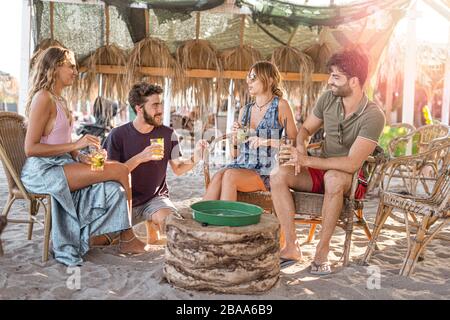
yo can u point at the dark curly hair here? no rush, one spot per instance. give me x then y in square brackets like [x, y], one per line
[352, 62]
[139, 93]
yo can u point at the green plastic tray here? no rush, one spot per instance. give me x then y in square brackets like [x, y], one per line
[226, 213]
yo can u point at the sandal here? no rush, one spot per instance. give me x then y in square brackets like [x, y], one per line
[284, 262]
[109, 240]
[320, 269]
[132, 252]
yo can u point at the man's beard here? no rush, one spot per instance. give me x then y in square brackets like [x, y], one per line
[151, 120]
[342, 91]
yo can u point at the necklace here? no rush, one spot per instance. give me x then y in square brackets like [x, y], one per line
[64, 106]
[262, 106]
[59, 98]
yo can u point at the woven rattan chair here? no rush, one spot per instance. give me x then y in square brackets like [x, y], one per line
[308, 205]
[424, 215]
[2, 226]
[426, 138]
[12, 154]
[376, 168]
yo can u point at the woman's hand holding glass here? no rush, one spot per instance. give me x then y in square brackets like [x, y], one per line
[87, 140]
[256, 142]
[234, 133]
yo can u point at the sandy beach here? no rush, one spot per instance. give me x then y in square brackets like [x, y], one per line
[109, 275]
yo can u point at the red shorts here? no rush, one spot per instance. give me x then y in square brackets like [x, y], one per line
[319, 186]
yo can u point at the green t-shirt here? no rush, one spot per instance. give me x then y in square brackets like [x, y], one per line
[367, 122]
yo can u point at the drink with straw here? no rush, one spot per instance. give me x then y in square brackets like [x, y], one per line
[98, 158]
[285, 146]
[159, 152]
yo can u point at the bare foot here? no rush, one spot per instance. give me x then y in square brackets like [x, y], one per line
[153, 235]
[293, 253]
[131, 245]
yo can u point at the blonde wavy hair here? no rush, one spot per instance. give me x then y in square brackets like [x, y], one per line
[44, 71]
[266, 70]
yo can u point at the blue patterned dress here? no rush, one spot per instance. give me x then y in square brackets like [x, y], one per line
[262, 159]
[76, 216]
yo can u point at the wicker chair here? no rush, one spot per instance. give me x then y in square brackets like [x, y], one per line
[2, 226]
[425, 215]
[12, 155]
[376, 168]
[308, 205]
[428, 136]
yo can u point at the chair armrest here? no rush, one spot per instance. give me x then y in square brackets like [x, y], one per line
[410, 168]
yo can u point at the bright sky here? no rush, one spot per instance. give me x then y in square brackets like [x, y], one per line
[10, 33]
[431, 27]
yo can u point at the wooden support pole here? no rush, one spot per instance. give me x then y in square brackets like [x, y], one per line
[241, 31]
[446, 93]
[389, 96]
[197, 25]
[409, 78]
[147, 22]
[167, 101]
[107, 24]
[25, 54]
[52, 11]
[292, 36]
[201, 73]
[230, 116]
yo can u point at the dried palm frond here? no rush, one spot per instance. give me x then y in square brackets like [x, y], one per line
[239, 59]
[290, 59]
[151, 52]
[114, 86]
[44, 44]
[320, 53]
[198, 92]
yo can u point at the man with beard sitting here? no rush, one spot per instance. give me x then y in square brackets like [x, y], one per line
[146, 147]
[352, 125]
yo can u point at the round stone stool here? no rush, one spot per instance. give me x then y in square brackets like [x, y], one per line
[242, 260]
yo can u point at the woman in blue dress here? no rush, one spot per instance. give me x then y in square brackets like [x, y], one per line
[86, 205]
[255, 158]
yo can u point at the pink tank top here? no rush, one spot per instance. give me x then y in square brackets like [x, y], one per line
[62, 129]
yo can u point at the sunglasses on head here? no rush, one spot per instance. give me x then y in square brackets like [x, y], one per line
[341, 133]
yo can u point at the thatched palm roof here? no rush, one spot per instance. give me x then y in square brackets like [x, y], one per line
[319, 30]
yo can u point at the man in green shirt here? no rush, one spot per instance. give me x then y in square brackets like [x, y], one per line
[352, 126]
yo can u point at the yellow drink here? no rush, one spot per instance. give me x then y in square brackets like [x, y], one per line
[98, 158]
[285, 146]
[158, 152]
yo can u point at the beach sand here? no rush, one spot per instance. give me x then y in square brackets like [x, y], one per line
[109, 275]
